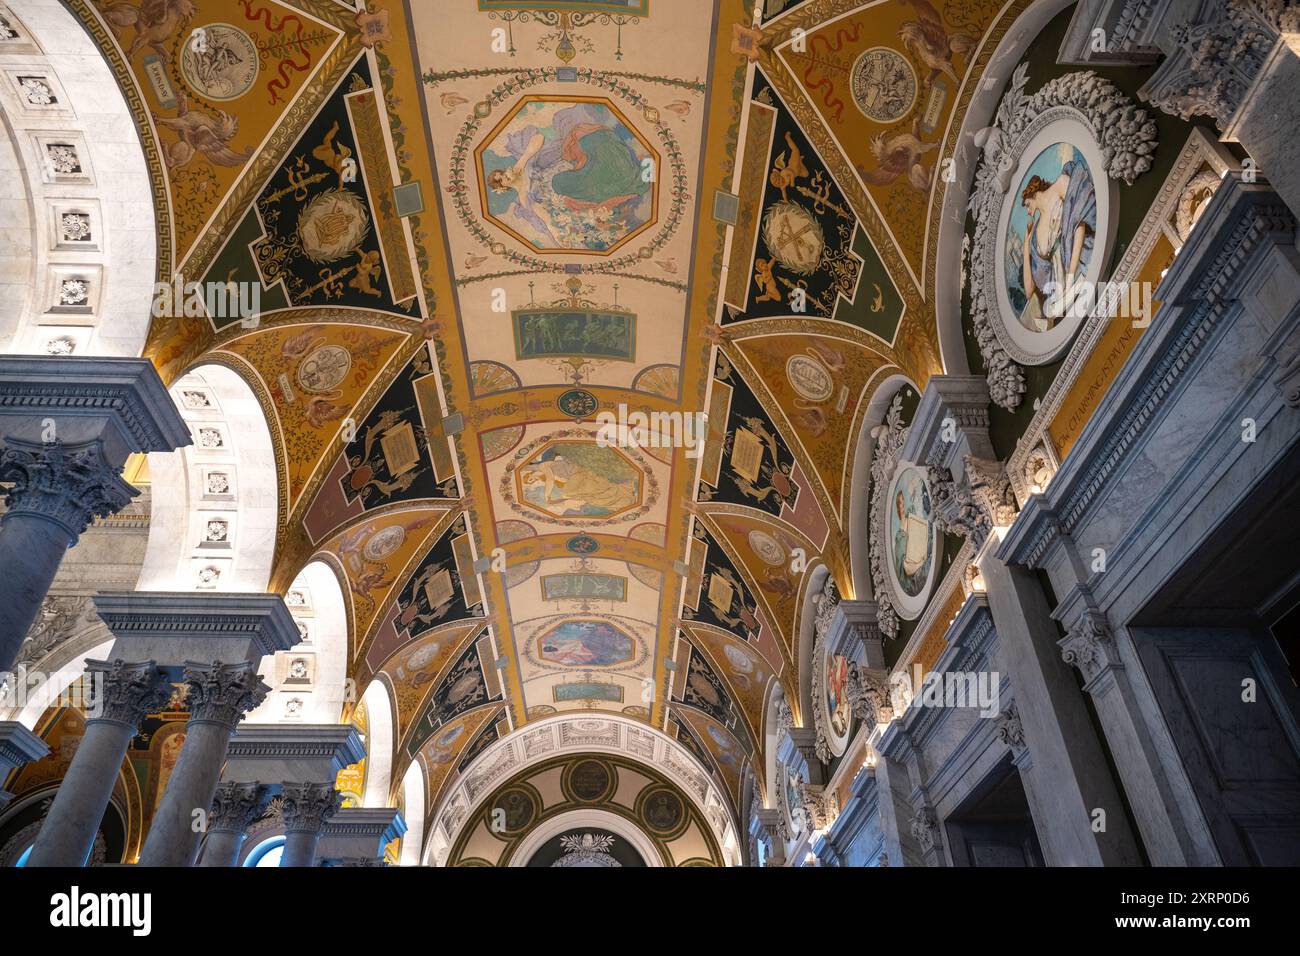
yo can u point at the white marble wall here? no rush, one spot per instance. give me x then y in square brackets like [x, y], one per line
[119, 262]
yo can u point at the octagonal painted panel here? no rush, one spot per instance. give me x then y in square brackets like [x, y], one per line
[585, 644]
[579, 479]
[568, 174]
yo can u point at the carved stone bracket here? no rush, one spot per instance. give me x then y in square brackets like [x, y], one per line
[869, 694]
[925, 829]
[1010, 730]
[818, 806]
[1213, 63]
[1090, 646]
[972, 507]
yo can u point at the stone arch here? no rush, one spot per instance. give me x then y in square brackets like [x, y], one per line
[771, 738]
[566, 734]
[807, 640]
[379, 745]
[215, 503]
[309, 683]
[413, 810]
[78, 184]
[586, 817]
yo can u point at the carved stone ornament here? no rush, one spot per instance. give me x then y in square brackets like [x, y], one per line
[925, 829]
[306, 806]
[973, 507]
[791, 821]
[223, 693]
[1089, 646]
[58, 620]
[1127, 139]
[818, 806]
[784, 717]
[869, 693]
[69, 486]
[236, 805]
[1009, 728]
[1217, 60]
[884, 462]
[125, 692]
[827, 746]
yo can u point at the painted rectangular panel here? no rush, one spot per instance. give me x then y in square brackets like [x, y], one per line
[608, 587]
[571, 692]
[561, 333]
[636, 8]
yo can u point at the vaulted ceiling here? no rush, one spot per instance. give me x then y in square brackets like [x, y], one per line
[476, 225]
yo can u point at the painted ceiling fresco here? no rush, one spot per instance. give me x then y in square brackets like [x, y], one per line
[477, 226]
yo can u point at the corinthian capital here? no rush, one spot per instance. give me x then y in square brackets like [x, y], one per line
[236, 805]
[307, 806]
[68, 485]
[1089, 646]
[223, 693]
[125, 692]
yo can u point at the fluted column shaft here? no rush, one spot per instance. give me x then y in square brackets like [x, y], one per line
[306, 808]
[219, 697]
[57, 491]
[124, 693]
[235, 806]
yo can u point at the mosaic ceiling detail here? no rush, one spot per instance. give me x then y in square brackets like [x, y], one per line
[478, 230]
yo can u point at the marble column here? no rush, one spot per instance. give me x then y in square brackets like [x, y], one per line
[68, 425]
[219, 697]
[234, 807]
[123, 694]
[306, 808]
[18, 746]
[57, 492]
